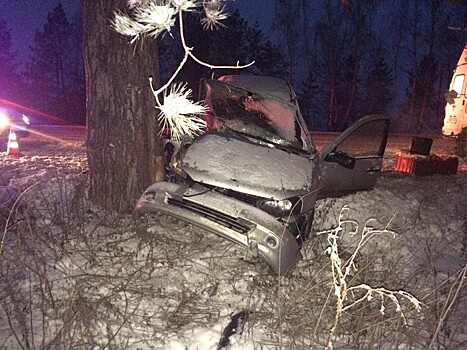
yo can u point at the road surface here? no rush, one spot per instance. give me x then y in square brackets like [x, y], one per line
[57, 132]
[76, 134]
[396, 142]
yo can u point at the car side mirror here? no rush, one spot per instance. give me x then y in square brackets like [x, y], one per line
[342, 159]
[450, 96]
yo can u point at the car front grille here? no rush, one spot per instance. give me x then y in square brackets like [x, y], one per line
[214, 215]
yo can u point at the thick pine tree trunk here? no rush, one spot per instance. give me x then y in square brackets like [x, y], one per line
[124, 152]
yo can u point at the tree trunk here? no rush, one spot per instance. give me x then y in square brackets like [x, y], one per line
[124, 151]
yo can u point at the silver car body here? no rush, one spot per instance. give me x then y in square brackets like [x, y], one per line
[255, 177]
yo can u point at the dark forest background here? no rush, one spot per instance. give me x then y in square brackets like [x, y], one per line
[344, 61]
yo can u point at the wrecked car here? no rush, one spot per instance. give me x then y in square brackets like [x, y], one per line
[253, 178]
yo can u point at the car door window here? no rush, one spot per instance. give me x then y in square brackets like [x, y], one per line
[365, 141]
[352, 162]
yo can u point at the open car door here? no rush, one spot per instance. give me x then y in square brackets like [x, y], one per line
[352, 162]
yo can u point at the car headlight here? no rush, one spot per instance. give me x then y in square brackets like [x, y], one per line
[281, 208]
[4, 121]
[25, 119]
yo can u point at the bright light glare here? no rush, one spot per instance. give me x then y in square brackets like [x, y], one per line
[4, 121]
[25, 119]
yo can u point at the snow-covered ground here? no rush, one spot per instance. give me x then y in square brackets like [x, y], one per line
[75, 277]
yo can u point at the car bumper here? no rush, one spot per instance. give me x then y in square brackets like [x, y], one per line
[227, 217]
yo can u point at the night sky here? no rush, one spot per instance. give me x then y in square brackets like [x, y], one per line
[23, 17]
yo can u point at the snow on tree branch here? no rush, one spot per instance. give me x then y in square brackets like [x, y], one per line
[153, 17]
[176, 111]
[214, 12]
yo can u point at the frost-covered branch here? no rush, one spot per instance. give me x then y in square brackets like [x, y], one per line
[182, 112]
[5, 230]
[153, 17]
[341, 270]
[452, 298]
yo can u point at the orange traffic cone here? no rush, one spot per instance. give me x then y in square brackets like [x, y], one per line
[13, 146]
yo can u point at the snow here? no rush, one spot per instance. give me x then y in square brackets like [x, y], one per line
[268, 169]
[104, 280]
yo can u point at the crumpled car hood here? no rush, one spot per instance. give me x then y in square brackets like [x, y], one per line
[262, 171]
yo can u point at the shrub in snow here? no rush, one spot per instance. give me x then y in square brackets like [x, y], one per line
[349, 296]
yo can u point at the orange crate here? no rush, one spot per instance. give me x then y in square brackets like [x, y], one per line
[426, 165]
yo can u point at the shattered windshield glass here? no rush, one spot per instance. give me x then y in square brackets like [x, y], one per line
[260, 107]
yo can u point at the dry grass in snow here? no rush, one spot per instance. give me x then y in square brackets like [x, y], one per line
[73, 276]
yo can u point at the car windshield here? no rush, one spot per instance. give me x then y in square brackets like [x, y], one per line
[260, 107]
